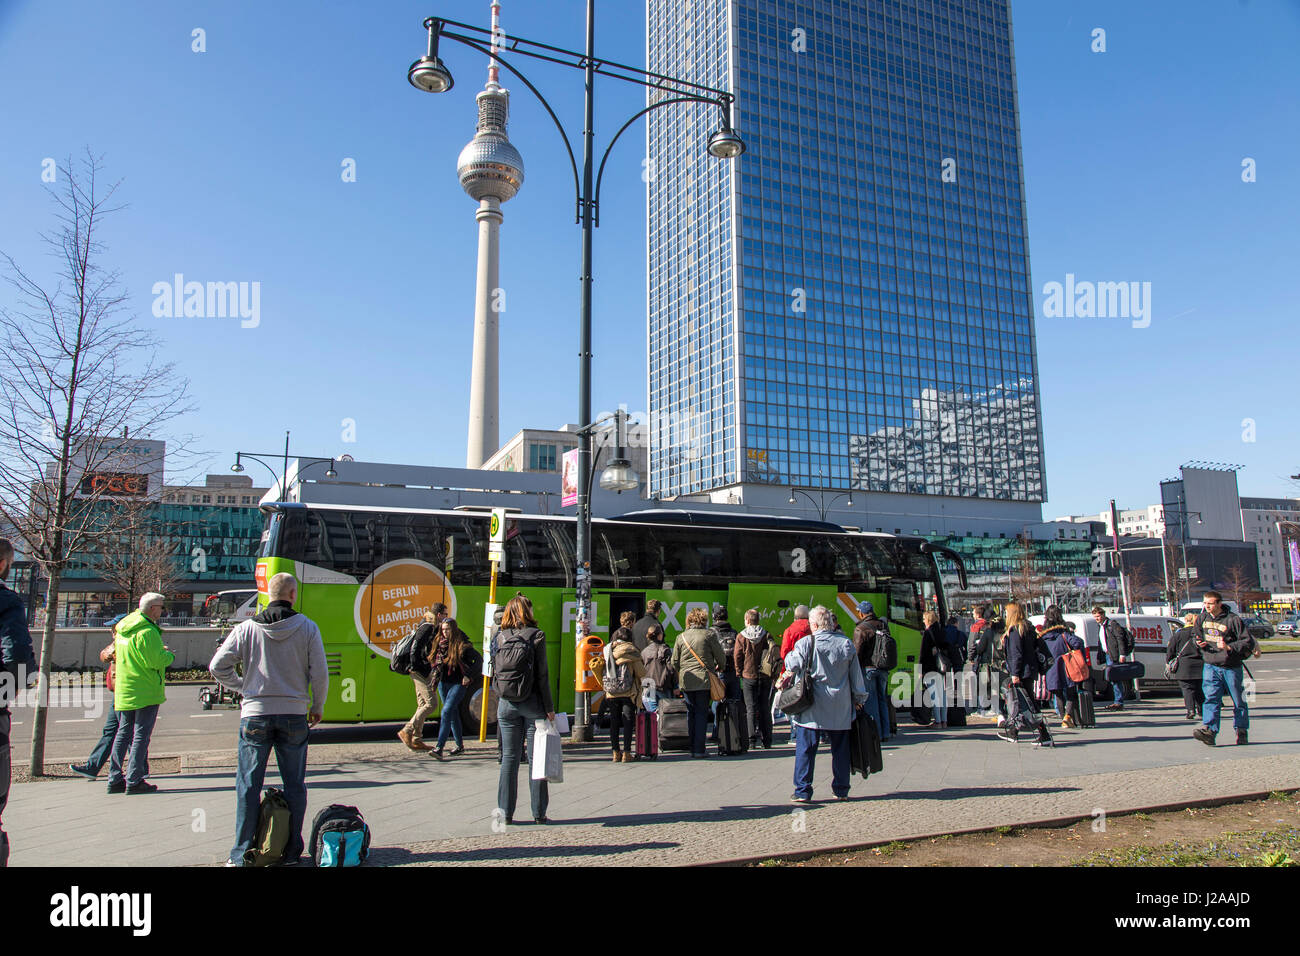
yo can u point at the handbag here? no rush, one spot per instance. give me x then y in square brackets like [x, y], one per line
[797, 695]
[717, 689]
[1076, 664]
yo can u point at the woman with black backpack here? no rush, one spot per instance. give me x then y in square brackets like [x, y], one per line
[523, 687]
[455, 665]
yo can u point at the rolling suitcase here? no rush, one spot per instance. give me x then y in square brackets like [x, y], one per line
[956, 716]
[674, 730]
[1087, 714]
[733, 735]
[647, 734]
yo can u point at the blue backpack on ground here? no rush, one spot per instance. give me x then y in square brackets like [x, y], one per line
[339, 837]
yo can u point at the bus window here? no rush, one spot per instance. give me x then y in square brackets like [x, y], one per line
[625, 557]
[536, 555]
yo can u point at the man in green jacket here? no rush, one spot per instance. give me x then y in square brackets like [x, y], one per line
[142, 661]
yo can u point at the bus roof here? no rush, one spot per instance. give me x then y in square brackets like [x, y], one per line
[678, 517]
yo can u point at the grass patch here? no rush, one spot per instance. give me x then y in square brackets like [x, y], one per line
[1278, 847]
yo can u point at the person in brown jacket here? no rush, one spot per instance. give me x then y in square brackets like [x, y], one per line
[658, 659]
[754, 655]
[621, 704]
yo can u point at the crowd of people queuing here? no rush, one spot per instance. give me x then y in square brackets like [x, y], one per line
[1002, 667]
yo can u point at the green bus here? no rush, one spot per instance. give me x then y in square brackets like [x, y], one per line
[367, 575]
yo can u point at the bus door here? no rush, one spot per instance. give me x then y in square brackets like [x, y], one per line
[617, 603]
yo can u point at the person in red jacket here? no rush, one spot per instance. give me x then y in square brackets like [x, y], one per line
[797, 630]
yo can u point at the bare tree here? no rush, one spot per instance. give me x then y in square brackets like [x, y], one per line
[1241, 584]
[1139, 582]
[1028, 585]
[139, 555]
[78, 374]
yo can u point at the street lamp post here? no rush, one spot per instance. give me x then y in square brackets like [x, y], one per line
[820, 501]
[260, 457]
[431, 75]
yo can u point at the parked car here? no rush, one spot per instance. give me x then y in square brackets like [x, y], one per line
[1287, 625]
[1258, 627]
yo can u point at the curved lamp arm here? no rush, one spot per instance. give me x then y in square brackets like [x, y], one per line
[636, 116]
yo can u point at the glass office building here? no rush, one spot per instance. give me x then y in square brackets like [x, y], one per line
[848, 304]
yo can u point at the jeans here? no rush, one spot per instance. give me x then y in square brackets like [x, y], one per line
[99, 756]
[935, 696]
[1117, 692]
[424, 704]
[451, 692]
[877, 705]
[287, 734]
[805, 756]
[757, 692]
[697, 718]
[622, 716]
[134, 729]
[514, 719]
[1214, 681]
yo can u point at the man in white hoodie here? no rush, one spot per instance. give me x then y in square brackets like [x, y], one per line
[284, 682]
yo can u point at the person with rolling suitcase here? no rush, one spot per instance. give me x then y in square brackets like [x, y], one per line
[1021, 642]
[621, 681]
[1115, 642]
[674, 725]
[1069, 665]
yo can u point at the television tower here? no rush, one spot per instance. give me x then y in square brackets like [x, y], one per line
[491, 171]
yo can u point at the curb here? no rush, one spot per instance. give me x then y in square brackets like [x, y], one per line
[1042, 824]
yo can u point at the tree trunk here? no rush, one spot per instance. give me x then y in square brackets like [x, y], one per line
[43, 687]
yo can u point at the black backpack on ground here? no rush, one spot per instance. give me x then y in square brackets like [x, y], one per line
[513, 663]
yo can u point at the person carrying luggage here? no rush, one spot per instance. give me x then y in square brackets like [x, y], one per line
[621, 672]
[753, 655]
[1116, 644]
[727, 638]
[830, 660]
[1060, 641]
[1021, 643]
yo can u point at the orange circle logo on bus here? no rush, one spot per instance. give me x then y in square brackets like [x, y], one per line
[392, 601]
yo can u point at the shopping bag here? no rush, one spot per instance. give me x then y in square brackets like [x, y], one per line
[548, 763]
[562, 723]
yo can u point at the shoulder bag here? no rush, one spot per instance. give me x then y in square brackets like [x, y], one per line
[797, 696]
[717, 689]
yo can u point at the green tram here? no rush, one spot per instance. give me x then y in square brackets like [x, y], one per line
[367, 575]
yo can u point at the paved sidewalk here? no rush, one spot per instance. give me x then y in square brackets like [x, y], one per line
[675, 810]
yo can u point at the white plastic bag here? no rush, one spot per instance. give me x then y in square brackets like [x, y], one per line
[562, 723]
[548, 762]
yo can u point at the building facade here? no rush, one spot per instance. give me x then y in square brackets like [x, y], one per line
[847, 305]
[1271, 523]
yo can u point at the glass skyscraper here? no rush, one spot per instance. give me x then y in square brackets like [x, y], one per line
[848, 304]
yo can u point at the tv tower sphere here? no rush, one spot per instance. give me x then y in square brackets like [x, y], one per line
[489, 167]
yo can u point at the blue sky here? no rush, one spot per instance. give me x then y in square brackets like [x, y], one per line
[231, 163]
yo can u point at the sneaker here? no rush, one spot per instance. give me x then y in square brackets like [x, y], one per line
[1114, 707]
[1204, 736]
[82, 770]
[1190, 715]
[234, 863]
[841, 796]
[404, 736]
[1006, 734]
[540, 821]
[1044, 738]
[457, 752]
[435, 753]
[795, 798]
[1241, 737]
[144, 786]
[119, 787]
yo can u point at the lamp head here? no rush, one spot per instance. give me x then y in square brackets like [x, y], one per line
[619, 476]
[236, 467]
[430, 74]
[725, 144]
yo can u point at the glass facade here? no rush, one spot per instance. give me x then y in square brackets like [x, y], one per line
[848, 304]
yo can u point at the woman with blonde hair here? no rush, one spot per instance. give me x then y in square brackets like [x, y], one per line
[696, 653]
[1021, 641]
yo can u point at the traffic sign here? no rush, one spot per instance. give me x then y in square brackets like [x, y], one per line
[497, 535]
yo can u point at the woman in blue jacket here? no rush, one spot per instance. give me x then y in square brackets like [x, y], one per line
[1060, 641]
[1021, 642]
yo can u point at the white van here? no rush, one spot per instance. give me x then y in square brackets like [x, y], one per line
[1151, 634]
